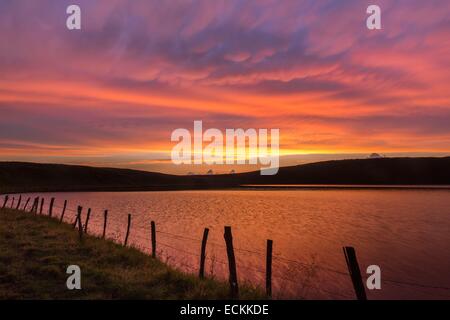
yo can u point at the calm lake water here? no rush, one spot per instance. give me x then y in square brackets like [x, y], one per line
[405, 232]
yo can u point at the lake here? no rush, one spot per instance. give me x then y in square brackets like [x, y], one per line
[404, 231]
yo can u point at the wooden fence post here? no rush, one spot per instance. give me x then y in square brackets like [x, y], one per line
[12, 204]
[26, 204]
[355, 273]
[203, 253]
[37, 205]
[42, 206]
[87, 220]
[6, 201]
[269, 268]
[63, 211]
[80, 225]
[153, 239]
[128, 230]
[105, 218]
[34, 205]
[50, 208]
[75, 223]
[18, 202]
[234, 288]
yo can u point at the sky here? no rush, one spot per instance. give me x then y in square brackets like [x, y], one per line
[111, 93]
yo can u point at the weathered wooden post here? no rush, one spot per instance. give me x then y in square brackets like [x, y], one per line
[234, 288]
[105, 218]
[355, 273]
[63, 211]
[37, 206]
[203, 253]
[33, 207]
[80, 225]
[153, 239]
[50, 208]
[75, 223]
[5, 202]
[26, 204]
[42, 206]
[128, 230]
[269, 268]
[18, 202]
[87, 220]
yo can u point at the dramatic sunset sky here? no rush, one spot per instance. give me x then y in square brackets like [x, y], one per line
[112, 93]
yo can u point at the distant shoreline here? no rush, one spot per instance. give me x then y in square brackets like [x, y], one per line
[261, 188]
[383, 173]
[346, 187]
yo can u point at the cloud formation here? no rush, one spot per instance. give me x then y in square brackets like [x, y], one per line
[139, 69]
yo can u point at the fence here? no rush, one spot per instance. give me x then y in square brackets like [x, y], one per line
[353, 272]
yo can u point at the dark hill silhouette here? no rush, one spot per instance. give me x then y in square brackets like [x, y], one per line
[379, 171]
[21, 176]
[57, 177]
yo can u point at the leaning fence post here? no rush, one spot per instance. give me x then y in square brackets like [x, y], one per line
[105, 216]
[355, 273]
[87, 220]
[50, 208]
[6, 201]
[26, 204]
[234, 288]
[203, 253]
[128, 230]
[18, 202]
[75, 223]
[42, 206]
[153, 239]
[33, 207]
[269, 268]
[63, 211]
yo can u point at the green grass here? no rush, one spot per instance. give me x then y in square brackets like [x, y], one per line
[35, 252]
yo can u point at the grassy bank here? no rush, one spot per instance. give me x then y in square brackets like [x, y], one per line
[35, 252]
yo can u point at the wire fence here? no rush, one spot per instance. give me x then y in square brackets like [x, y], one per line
[96, 226]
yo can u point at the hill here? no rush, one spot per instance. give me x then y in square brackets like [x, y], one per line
[20, 176]
[382, 171]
